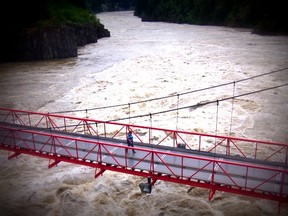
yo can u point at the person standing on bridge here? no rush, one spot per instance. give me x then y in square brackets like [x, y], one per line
[130, 140]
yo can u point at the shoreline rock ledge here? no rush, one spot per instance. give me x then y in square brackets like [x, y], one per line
[53, 42]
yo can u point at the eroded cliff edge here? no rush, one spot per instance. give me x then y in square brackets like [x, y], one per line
[51, 42]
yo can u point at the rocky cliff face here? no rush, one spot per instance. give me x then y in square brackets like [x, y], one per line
[53, 42]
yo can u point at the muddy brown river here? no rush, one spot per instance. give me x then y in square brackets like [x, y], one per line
[140, 61]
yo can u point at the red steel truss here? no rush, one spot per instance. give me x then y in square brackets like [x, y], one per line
[242, 147]
[47, 126]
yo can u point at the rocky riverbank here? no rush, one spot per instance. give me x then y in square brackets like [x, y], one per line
[54, 42]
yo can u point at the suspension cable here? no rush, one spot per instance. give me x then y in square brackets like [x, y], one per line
[150, 131]
[216, 124]
[174, 94]
[129, 111]
[232, 109]
[200, 104]
[177, 111]
[195, 106]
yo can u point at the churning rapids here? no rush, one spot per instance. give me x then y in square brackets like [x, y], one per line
[143, 60]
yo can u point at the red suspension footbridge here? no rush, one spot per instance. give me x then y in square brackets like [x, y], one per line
[219, 163]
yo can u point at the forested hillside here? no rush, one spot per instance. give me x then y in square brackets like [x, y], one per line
[263, 16]
[110, 5]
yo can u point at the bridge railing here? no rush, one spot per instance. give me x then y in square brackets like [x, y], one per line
[241, 147]
[212, 173]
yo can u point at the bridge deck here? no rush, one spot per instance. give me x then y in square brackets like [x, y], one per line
[243, 176]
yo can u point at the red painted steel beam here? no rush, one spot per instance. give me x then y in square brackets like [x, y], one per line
[18, 114]
[149, 151]
[211, 194]
[153, 181]
[154, 176]
[54, 164]
[97, 174]
[11, 111]
[13, 155]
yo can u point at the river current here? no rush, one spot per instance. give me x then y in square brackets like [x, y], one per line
[140, 61]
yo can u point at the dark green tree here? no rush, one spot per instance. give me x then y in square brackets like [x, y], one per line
[261, 15]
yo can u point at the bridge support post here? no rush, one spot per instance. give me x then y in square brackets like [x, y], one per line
[211, 194]
[100, 172]
[53, 164]
[13, 155]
